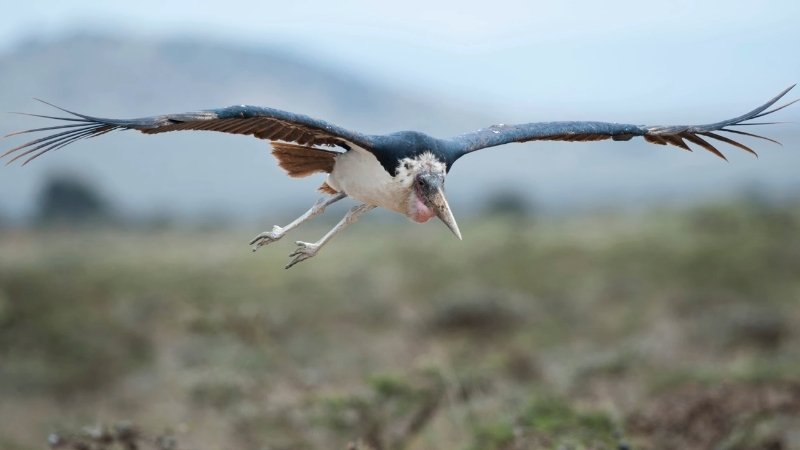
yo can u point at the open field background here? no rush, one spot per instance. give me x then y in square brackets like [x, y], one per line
[662, 329]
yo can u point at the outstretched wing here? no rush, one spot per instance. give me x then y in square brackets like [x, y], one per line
[263, 123]
[676, 135]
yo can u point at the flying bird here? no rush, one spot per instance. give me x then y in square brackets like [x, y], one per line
[403, 172]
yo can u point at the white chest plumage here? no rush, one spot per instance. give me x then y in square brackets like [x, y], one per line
[358, 174]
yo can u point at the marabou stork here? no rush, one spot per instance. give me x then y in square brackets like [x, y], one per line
[403, 172]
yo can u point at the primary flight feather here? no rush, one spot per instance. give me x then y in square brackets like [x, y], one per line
[402, 172]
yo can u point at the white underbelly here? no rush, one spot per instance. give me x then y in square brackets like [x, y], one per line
[358, 174]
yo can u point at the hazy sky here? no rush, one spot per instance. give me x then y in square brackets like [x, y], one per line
[513, 54]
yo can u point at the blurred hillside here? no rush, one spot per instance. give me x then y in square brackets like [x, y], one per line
[671, 329]
[193, 175]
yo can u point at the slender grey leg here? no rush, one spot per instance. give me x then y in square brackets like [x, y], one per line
[307, 250]
[277, 232]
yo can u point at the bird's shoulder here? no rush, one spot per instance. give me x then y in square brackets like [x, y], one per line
[392, 149]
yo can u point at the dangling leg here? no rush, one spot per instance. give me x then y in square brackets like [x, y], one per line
[306, 250]
[277, 232]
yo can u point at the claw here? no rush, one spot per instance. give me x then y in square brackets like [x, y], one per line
[304, 251]
[267, 237]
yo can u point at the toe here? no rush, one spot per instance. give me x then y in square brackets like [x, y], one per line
[295, 260]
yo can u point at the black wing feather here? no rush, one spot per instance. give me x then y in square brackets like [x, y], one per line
[676, 135]
[263, 123]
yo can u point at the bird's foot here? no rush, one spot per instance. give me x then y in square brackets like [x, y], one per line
[267, 237]
[304, 251]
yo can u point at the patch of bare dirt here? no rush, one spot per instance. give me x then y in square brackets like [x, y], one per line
[728, 415]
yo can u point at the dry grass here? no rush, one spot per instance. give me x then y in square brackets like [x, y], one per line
[590, 332]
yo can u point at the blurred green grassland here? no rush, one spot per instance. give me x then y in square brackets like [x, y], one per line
[670, 328]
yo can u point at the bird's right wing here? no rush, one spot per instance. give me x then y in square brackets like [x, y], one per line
[677, 135]
[263, 123]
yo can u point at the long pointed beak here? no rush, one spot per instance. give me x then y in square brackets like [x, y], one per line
[438, 203]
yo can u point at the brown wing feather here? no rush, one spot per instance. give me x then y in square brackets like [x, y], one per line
[677, 135]
[260, 127]
[261, 122]
[300, 161]
[326, 188]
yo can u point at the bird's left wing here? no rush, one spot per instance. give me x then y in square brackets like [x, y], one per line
[263, 123]
[676, 135]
